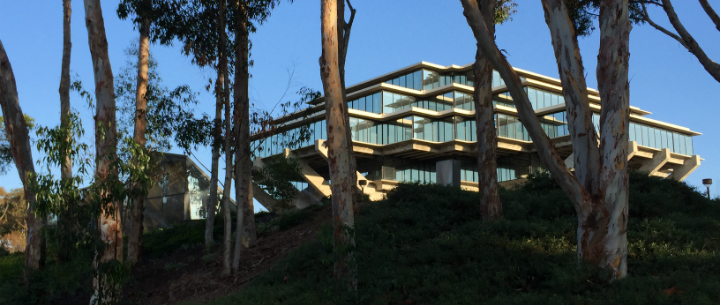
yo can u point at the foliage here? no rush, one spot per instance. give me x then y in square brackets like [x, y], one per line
[583, 13]
[276, 178]
[426, 245]
[504, 9]
[12, 211]
[169, 112]
[6, 157]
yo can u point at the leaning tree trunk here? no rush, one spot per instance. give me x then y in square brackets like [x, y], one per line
[246, 233]
[64, 222]
[109, 224]
[18, 135]
[134, 246]
[338, 153]
[602, 218]
[222, 86]
[490, 205]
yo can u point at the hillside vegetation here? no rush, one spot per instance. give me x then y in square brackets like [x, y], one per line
[426, 245]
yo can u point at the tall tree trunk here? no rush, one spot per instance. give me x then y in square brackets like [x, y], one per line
[105, 147]
[217, 136]
[18, 135]
[612, 74]
[490, 205]
[602, 217]
[584, 138]
[245, 232]
[222, 86]
[64, 223]
[338, 153]
[136, 214]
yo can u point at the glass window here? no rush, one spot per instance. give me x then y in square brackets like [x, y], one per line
[689, 145]
[401, 81]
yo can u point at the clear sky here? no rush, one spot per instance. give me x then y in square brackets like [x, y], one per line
[387, 35]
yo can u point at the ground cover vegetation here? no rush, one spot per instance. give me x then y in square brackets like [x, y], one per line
[424, 245]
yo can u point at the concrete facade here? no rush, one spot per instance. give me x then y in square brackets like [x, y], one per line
[417, 124]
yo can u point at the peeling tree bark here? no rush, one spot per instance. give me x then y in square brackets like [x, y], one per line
[63, 222]
[577, 102]
[610, 250]
[602, 215]
[134, 246]
[19, 138]
[246, 233]
[490, 204]
[338, 153]
[105, 143]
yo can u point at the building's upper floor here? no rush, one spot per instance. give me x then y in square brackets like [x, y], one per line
[434, 103]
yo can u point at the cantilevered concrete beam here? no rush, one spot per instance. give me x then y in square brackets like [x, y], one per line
[264, 198]
[659, 160]
[681, 172]
[370, 191]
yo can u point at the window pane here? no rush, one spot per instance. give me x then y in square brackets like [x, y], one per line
[377, 102]
[689, 145]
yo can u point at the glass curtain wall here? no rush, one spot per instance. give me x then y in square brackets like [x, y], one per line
[654, 137]
[468, 172]
[420, 172]
[541, 98]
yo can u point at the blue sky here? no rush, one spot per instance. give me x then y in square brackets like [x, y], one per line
[387, 35]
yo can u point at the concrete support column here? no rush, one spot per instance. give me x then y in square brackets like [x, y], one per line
[448, 172]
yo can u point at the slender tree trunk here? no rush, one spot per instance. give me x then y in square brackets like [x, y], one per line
[105, 147]
[246, 234]
[136, 213]
[222, 87]
[212, 197]
[490, 205]
[64, 222]
[338, 153]
[343, 33]
[612, 74]
[18, 135]
[602, 218]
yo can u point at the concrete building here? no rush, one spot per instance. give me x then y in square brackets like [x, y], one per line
[418, 124]
[181, 194]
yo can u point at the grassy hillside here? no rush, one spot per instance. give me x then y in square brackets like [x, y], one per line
[425, 245]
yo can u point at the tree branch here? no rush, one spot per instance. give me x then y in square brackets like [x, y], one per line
[691, 44]
[672, 35]
[543, 144]
[711, 13]
[347, 27]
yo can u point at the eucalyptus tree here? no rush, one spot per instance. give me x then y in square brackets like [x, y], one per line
[338, 143]
[247, 15]
[64, 90]
[109, 222]
[18, 136]
[599, 186]
[494, 12]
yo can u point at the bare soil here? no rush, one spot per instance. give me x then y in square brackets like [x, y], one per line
[186, 276]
